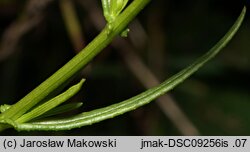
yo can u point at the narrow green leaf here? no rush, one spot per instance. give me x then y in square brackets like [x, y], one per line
[49, 105]
[61, 109]
[88, 118]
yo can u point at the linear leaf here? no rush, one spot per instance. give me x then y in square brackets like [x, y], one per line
[61, 109]
[49, 105]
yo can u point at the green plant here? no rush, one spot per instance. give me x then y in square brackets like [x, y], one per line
[28, 113]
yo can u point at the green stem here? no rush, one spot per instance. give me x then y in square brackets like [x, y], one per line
[75, 64]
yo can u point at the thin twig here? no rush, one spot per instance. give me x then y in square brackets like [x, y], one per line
[166, 103]
[72, 24]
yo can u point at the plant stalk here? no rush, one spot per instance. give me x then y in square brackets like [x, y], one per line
[75, 65]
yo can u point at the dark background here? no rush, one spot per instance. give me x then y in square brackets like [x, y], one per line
[167, 36]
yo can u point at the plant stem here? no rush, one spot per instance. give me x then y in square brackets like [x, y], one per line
[97, 115]
[75, 64]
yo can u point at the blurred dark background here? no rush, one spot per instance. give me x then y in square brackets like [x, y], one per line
[37, 39]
